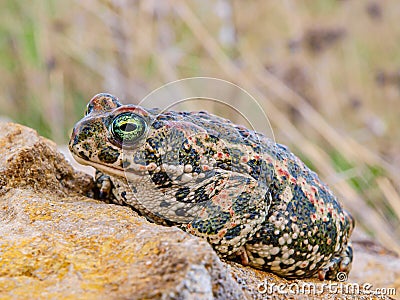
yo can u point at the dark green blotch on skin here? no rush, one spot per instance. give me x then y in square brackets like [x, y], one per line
[242, 203]
[154, 143]
[212, 139]
[157, 124]
[83, 155]
[211, 226]
[87, 131]
[180, 212]
[255, 166]
[161, 179]
[152, 156]
[181, 194]
[164, 204]
[86, 146]
[233, 232]
[189, 157]
[200, 194]
[108, 155]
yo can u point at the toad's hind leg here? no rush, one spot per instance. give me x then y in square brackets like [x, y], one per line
[339, 266]
[235, 211]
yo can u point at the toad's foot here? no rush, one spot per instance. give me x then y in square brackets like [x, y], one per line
[339, 266]
[104, 186]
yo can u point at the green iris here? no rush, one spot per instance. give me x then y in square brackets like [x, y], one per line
[127, 128]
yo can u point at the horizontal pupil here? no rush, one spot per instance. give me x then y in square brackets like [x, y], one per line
[128, 127]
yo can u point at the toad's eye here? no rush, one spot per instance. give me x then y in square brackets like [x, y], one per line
[127, 128]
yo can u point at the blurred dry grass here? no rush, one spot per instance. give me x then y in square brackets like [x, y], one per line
[326, 72]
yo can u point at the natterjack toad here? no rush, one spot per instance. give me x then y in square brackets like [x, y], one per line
[252, 199]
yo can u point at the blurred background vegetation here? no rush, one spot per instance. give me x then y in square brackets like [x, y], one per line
[326, 72]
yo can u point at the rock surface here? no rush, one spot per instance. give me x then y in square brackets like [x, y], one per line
[56, 243]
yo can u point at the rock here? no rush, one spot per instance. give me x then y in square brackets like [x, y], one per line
[57, 243]
[29, 160]
[374, 264]
[75, 247]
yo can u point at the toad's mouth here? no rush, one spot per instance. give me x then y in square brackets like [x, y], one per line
[103, 168]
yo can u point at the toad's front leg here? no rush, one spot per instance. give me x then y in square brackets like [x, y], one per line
[104, 187]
